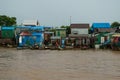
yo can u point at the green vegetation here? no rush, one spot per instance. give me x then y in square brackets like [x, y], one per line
[7, 21]
[115, 24]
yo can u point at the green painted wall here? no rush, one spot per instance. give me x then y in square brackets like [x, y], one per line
[7, 34]
[61, 33]
[98, 37]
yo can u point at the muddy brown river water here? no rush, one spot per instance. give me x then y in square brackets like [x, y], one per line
[59, 65]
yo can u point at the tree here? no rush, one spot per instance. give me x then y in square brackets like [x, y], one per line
[7, 21]
[115, 24]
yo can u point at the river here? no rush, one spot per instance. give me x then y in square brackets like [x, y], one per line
[59, 64]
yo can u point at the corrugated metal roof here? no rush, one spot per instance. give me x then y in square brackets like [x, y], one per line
[101, 25]
[8, 28]
[79, 25]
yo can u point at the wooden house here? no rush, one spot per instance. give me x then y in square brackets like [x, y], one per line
[79, 35]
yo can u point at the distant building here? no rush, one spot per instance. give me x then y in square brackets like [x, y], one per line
[30, 23]
[79, 28]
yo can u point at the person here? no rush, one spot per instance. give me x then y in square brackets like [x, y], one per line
[57, 43]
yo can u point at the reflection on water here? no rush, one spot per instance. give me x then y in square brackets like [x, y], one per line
[59, 65]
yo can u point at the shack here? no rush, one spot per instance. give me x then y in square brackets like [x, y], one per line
[102, 33]
[79, 36]
[32, 38]
[7, 35]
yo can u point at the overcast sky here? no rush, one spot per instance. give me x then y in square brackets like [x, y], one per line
[58, 12]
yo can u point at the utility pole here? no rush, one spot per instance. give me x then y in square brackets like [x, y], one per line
[70, 19]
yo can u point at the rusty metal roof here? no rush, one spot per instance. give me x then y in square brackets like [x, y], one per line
[105, 29]
[79, 25]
